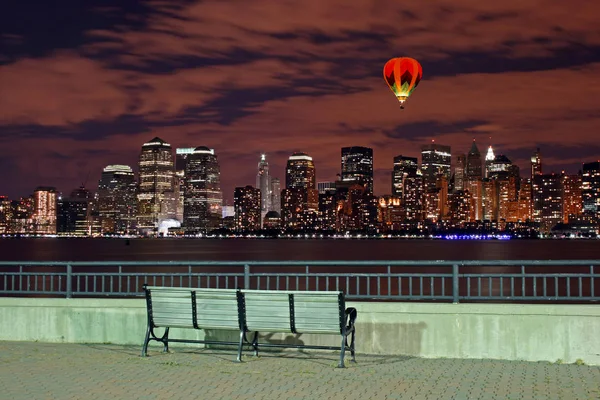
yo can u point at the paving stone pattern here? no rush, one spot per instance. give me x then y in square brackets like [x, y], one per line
[31, 370]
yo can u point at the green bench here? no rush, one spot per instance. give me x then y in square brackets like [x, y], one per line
[249, 311]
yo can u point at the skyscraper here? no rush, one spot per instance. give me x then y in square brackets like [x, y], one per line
[536, 164]
[276, 195]
[300, 172]
[459, 172]
[181, 156]
[263, 183]
[300, 198]
[403, 167]
[473, 170]
[117, 199]
[357, 166]
[489, 159]
[590, 190]
[247, 205]
[435, 161]
[74, 213]
[203, 200]
[156, 186]
[44, 212]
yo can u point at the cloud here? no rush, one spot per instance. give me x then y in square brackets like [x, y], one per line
[245, 77]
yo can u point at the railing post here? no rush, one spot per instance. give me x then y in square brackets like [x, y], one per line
[246, 276]
[69, 277]
[455, 283]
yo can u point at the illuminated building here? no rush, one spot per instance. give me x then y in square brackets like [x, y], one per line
[74, 213]
[459, 172]
[276, 195]
[247, 204]
[327, 208]
[300, 172]
[435, 161]
[325, 187]
[547, 199]
[391, 214]
[272, 220]
[473, 168]
[6, 214]
[536, 164]
[590, 190]
[44, 212]
[460, 207]
[404, 167]
[413, 197]
[476, 198]
[489, 200]
[357, 166]
[525, 212]
[181, 156]
[263, 183]
[156, 194]
[300, 198]
[507, 200]
[203, 201]
[117, 200]
[489, 159]
[572, 196]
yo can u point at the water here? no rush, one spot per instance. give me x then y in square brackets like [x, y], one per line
[87, 249]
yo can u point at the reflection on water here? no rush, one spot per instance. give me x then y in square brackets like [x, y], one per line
[85, 249]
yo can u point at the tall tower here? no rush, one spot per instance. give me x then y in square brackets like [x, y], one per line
[181, 156]
[44, 214]
[591, 189]
[203, 201]
[263, 183]
[489, 160]
[473, 170]
[116, 199]
[435, 161]
[300, 172]
[276, 195]
[459, 172]
[357, 166]
[156, 186]
[536, 164]
[300, 198]
[403, 168]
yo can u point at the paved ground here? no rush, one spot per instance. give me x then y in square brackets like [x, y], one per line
[90, 371]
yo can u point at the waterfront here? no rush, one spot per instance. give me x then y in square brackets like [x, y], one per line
[87, 249]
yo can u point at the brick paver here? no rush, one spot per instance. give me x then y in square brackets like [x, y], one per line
[101, 371]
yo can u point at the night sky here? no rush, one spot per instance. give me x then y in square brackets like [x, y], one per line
[84, 84]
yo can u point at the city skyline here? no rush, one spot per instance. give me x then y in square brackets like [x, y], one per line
[83, 87]
[386, 183]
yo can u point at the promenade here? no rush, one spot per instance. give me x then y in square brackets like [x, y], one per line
[33, 370]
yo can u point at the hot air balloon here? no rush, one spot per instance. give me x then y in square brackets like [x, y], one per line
[402, 74]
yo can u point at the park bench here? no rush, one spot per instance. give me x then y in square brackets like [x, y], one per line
[246, 311]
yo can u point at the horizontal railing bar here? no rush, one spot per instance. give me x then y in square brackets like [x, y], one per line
[309, 263]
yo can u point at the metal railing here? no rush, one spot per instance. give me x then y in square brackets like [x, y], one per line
[573, 281]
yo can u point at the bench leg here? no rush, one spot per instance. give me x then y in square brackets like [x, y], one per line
[146, 341]
[165, 340]
[255, 344]
[239, 356]
[352, 346]
[342, 352]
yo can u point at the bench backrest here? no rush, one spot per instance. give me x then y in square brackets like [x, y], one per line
[193, 308]
[294, 311]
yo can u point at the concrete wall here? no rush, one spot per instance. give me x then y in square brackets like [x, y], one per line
[499, 331]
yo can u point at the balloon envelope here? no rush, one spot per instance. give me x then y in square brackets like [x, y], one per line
[402, 74]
